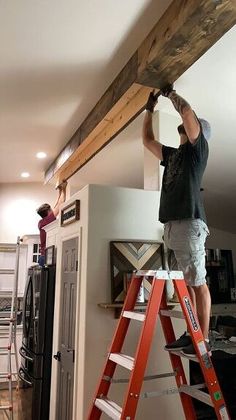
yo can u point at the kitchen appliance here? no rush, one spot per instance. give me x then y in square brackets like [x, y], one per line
[36, 349]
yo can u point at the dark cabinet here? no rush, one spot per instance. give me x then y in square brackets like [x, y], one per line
[225, 368]
[220, 274]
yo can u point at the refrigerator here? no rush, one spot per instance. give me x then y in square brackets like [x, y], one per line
[36, 349]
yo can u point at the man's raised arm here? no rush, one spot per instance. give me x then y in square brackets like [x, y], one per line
[61, 198]
[149, 140]
[190, 121]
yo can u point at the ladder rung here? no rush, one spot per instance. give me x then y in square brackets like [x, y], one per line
[4, 375]
[122, 360]
[7, 271]
[5, 407]
[174, 314]
[196, 393]
[5, 320]
[109, 407]
[178, 353]
[6, 353]
[139, 316]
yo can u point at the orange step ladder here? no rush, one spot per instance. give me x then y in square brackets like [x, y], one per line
[137, 365]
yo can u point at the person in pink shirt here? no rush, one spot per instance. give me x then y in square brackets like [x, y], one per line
[48, 215]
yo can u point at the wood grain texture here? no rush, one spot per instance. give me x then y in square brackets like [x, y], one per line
[184, 33]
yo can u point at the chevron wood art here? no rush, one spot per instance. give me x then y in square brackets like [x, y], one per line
[127, 256]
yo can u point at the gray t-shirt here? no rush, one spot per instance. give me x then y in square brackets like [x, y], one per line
[184, 168]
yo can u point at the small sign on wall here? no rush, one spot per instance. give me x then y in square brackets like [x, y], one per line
[70, 213]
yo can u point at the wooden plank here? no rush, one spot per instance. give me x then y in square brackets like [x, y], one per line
[184, 33]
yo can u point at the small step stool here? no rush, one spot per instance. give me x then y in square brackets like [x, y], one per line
[137, 365]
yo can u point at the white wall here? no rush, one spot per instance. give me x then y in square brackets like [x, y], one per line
[18, 203]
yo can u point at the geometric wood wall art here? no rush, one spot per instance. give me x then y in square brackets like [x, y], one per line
[126, 256]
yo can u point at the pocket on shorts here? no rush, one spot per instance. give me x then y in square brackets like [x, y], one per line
[197, 235]
[195, 229]
[198, 228]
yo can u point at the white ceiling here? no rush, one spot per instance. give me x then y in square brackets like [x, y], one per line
[57, 58]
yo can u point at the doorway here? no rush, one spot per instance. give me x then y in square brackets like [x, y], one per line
[66, 352]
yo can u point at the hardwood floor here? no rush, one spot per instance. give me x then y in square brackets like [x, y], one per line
[20, 409]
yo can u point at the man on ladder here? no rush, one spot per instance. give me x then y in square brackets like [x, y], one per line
[181, 207]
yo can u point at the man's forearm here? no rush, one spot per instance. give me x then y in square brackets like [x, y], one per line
[60, 200]
[180, 104]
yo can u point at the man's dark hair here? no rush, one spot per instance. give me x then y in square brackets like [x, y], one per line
[43, 210]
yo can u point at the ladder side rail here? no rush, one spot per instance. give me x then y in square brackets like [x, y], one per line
[15, 309]
[176, 363]
[12, 328]
[201, 350]
[132, 394]
[16, 360]
[116, 345]
[10, 383]
[15, 284]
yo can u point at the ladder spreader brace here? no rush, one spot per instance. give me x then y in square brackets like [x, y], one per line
[156, 305]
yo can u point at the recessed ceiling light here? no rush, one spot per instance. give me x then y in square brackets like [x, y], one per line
[25, 174]
[41, 155]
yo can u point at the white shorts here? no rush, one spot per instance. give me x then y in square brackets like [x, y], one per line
[187, 239]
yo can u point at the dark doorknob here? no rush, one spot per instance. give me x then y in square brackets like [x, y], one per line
[57, 356]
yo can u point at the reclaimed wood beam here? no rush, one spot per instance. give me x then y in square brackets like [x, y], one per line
[183, 34]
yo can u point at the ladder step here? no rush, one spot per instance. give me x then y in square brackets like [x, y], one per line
[4, 375]
[178, 353]
[109, 407]
[7, 271]
[173, 314]
[197, 394]
[4, 320]
[5, 407]
[122, 360]
[139, 316]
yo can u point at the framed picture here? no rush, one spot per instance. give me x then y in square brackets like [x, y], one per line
[50, 255]
[70, 213]
[127, 256]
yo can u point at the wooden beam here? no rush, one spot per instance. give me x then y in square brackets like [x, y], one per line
[184, 33]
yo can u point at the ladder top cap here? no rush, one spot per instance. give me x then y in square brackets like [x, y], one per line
[161, 274]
